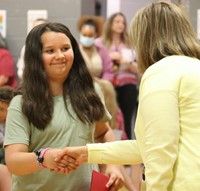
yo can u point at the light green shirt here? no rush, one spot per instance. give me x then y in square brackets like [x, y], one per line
[62, 131]
[167, 128]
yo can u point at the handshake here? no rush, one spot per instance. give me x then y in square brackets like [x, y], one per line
[65, 160]
[69, 159]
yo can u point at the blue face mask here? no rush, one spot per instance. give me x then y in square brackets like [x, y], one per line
[86, 41]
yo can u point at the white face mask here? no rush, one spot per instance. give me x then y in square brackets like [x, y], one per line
[86, 41]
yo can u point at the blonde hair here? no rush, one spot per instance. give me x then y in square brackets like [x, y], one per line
[107, 31]
[110, 100]
[159, 30]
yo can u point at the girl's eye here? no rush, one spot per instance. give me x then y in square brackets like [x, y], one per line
[65, 49]
[50, 51]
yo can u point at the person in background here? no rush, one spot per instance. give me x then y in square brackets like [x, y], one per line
[116, 41]
[20, 62]
[60, 106]
[7, 71]
[101, 68]
[98, 62]
[97, 59]
[167, 125]
[6, 95]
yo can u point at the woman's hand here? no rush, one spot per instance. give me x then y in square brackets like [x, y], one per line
[65, 166]
[115, 56]
[72, 156]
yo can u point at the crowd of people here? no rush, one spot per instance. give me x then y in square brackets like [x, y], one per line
[110, 99]
[167, 121]
[100, 66]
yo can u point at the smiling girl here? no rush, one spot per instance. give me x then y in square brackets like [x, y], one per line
[59, 106]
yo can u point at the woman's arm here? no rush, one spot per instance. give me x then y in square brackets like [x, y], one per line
[105, 153]
[107, 72]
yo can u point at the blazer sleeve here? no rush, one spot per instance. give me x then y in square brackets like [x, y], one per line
[118, 152]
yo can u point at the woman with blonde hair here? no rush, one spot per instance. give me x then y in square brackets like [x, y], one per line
[167, 125]
[116, 41]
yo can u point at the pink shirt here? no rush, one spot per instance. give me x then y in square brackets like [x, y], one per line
[122, 75]
[7, 67]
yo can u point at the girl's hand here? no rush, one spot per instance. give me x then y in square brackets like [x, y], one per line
[116, 178]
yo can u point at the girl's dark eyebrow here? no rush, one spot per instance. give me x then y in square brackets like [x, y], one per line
[51, 46]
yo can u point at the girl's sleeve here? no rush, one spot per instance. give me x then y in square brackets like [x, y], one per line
[17, 129]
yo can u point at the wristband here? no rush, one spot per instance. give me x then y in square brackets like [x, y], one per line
[40, 156]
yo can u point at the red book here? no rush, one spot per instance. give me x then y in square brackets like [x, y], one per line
[99, 182]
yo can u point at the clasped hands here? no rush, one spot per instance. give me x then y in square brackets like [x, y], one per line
[65, 160]
[70, 158]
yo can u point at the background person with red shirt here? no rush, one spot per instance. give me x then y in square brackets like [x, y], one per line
[7, 73]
